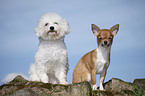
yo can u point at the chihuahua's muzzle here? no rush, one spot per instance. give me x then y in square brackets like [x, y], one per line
[105, 43]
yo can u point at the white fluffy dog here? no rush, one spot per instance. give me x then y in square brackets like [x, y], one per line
[51, 62]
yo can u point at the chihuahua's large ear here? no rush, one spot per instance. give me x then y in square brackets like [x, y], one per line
[115, 29]
[95, 29]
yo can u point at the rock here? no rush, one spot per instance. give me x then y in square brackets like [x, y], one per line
[21, 87]
[140, 83]
[119, 87]
[102, 93]
[114, 87]
[19, 80]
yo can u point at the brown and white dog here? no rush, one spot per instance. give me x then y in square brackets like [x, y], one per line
[98, 60]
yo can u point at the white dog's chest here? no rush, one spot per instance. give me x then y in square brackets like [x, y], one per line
[102, 61]
[51, 56]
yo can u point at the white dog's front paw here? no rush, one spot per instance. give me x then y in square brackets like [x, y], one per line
[45, 81]
[34, 77]
[43, 78]
[65, 83]
[95, 87]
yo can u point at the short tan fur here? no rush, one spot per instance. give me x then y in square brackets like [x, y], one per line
[98, 60]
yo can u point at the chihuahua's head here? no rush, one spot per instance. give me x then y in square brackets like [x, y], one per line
[105, 36]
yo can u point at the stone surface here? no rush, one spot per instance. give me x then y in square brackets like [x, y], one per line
[121, 88]
[114, 87]
[118, 85]
[21, 87]
[140, 83]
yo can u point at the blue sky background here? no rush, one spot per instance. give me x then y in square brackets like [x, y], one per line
[18, 42]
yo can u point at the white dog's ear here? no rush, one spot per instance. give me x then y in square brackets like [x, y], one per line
[66, 27]
[37, 31]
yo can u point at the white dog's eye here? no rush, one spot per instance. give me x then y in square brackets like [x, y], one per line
[46, 24]
[55, 23]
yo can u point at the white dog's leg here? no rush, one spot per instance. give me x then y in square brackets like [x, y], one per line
[41, 71]
[43, 77]
[33, 74]
[34, 77]
[38, 73]
[61, 76]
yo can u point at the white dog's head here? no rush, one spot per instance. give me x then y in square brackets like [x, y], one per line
[51, 26]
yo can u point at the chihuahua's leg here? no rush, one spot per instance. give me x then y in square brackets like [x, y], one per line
[102, 78]
[93, 78]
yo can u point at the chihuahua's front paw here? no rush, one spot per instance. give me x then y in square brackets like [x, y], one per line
[95, 87]
[101, 87]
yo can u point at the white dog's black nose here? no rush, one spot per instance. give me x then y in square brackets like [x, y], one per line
[51, 28]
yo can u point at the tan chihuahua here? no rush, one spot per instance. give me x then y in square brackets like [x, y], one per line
[98, 60]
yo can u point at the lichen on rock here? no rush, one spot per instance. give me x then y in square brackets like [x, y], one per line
[114, 87]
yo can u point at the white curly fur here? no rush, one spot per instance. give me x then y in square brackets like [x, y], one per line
[51, 62]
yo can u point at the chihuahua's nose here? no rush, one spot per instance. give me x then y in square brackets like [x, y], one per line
[51, 28]
[105, 42]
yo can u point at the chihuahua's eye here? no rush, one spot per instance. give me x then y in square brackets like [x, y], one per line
[110, 38]
[46, 24]
[55, 23]
[100, 38]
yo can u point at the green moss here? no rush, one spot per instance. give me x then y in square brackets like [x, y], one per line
[138, 91]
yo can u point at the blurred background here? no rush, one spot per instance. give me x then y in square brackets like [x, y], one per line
[18, 42]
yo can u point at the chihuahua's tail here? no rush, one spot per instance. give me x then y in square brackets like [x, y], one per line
[11, 76]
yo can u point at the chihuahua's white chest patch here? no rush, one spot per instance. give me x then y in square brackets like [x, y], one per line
[102, 59]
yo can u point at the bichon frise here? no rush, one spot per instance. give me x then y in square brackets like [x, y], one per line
[51, 62]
